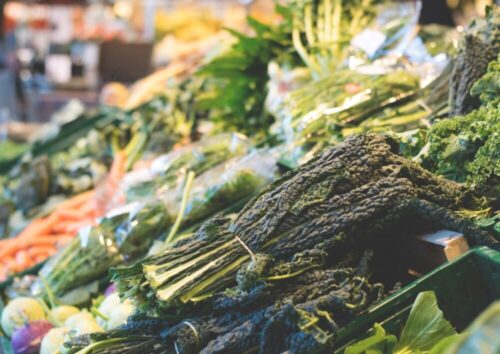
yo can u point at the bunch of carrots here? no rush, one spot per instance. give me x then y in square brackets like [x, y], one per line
[44, 236]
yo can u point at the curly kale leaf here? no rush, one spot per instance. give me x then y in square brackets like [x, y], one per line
[466, 148]
[488, 87]
[484, 171]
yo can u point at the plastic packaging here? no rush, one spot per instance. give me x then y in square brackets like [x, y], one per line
[121, 236]
[169, 170]
[224, 186]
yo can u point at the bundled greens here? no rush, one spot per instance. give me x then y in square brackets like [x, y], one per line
[224, 186]
[236, 81]
[169, 170]
[466, 148]
[356, 104]
[350, 195]
[283, 314]
[324, 112]
[117, 239]
[479, 46]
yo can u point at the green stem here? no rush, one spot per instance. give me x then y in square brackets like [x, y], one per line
[328, 20]
[299, 47]
[335, 36]
[49, 292]
[102, 344]
[98, 313]
[178, 220]
[308, 24]
[320, 23]
[51, 318]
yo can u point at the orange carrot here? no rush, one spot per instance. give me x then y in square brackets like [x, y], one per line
[36, 251]
[22, 259]
[69, 214]
[39, 226]
[76, 201]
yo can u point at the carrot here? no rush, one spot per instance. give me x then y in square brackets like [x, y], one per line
[40, 258]
[76, 201]
[37, 251]
[22, 259]
[39, 226]
[118, 167]
[69, 214]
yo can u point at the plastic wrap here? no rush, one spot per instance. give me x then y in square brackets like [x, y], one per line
[170, 169]
[85, 258]
[390, 33]
[224, 186]
[121, 236]
[319, 111]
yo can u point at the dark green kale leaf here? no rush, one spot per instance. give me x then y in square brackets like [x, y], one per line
[488, 87]
[479, 46]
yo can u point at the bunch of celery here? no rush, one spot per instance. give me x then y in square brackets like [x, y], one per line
[322, 30]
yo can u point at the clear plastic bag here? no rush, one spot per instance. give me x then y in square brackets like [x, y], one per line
[389, 34]
[169, 170]
[224, 187]
[123, 235]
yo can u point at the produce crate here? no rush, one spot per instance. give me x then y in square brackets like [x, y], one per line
[464, 288]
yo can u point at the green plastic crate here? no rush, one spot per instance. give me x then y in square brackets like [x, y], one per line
[464, 288]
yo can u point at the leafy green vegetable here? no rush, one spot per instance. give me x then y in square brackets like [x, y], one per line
[378, 343]
[477, 48]
[236, 86]
[426, 331]
[488, 87]
[116, 240]
[325, 206]
[465, 149]
[323, 29]
[425, 327]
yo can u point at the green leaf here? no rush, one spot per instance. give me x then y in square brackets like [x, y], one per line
[260, 28]
[426, 325]
[443, 346]
[378, 343]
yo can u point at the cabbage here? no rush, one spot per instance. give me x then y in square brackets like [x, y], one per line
[83, 323]
[62, 313]
[53, 340]
[27, 339]
[19, 312]
[117, 312]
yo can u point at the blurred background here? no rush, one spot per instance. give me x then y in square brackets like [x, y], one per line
[59, 51]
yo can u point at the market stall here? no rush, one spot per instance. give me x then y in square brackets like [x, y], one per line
[323, 180]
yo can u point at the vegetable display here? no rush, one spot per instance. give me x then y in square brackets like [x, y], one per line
[371, 155]
[358, 193]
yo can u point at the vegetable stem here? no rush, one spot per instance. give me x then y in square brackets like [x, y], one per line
[185, 196]
[49, 292]
[98, 313]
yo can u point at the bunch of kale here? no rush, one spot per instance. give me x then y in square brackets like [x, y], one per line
[479, 46]
[295, 259]
[467, 148]
[292, 314]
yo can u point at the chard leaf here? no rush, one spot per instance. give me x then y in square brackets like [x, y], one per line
[425, 327]
[444, 345]
[378, 343]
